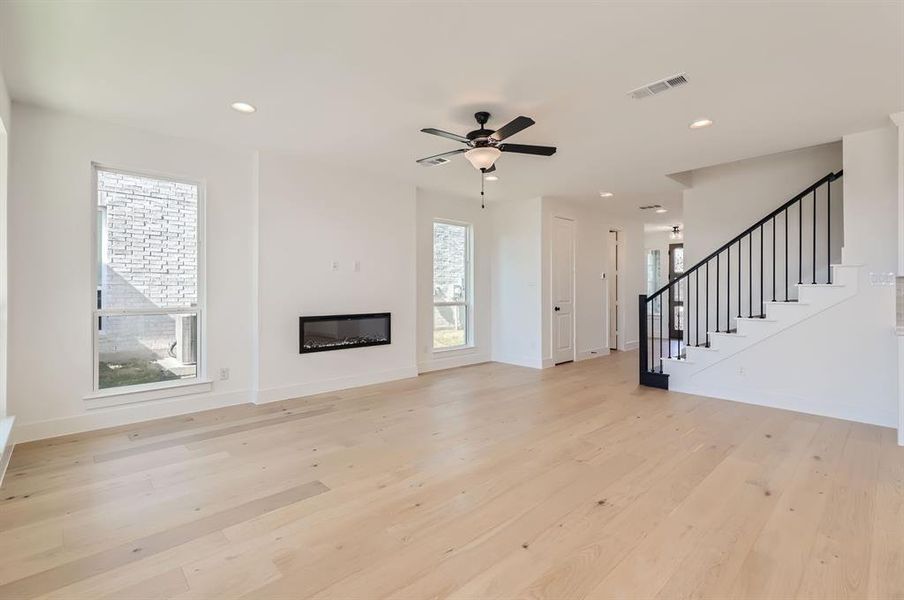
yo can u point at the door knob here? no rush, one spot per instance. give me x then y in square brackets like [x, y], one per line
[558, 309]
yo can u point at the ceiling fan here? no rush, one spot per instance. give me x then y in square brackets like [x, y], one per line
[484, 145]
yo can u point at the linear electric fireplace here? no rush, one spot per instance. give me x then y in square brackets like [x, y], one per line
[338, 332]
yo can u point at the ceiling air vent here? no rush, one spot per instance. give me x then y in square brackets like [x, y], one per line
[650, 207]
[657, 87]
[434, 161]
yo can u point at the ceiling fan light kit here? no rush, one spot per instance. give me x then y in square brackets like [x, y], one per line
[483, 158]
[484, 145]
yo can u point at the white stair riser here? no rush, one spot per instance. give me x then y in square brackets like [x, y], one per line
[786, 310]
[756, 327]
[821, 295]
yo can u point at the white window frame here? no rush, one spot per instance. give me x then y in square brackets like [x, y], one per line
[468, 302]
[164, 389]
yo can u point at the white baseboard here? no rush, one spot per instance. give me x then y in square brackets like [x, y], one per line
[592, 353]
[452, 361]
[796, 404]
[6, 444]
[631, 345]
[519, 361]
[276, 394]
[125, 415]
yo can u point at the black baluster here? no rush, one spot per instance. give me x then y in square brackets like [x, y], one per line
[697, 308]
[660, 333]
[740, 272]
[671, 317]
[750, 275]
[786, 254]
[814, 236]
[706, 329]
[829, 231]
[800, 243]
[762, 312]
[773, 259]
[728, 291]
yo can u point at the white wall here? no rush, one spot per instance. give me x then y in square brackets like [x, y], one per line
[433, 205]
[4, 277]
[591, 302]
[516, 314]
[51, 212]
[310, 216]
[724, 200]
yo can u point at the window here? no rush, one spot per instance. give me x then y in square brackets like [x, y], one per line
[653, 271]
[147, 313]
[451, 285]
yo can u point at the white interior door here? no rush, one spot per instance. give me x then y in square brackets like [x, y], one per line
[562, 290]
[612, 281]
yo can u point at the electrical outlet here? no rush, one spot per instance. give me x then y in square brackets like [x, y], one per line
[334, 265]
[224, 374]
[741, 371]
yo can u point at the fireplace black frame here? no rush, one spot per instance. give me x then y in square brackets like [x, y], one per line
[349, 317]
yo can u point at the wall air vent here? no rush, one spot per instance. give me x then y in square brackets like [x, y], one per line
[657, 87]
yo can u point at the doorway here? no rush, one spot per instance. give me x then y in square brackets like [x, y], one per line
[676, 300]
[612, 285]
[562, 261]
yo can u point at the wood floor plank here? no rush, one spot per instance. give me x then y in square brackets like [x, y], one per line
[63, 575]
[489, 481]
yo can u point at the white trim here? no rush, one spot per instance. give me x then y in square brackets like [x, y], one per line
[462, 358]
[147, 391]
[522, 361]
[200, 377]
[468, 302]
[592, 353]
[792, 403]
[6, 445]
[276, 394]
[127, 414]
[574, 295]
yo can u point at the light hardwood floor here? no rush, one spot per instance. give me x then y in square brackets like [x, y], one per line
[490, 481]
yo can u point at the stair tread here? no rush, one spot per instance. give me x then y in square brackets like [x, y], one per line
[796, 302]
[823, 285]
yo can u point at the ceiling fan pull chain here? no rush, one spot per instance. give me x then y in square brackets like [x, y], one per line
[482, 182]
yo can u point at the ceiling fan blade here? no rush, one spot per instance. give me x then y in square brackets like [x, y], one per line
[446, 134]
[511, 128]
[438, 159]
[527, 149]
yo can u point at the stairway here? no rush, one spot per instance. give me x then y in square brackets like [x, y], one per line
[775, 274]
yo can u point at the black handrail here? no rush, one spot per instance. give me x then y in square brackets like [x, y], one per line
[649, 375]
[827, 179]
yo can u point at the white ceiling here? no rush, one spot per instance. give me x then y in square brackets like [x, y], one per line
[352, 84]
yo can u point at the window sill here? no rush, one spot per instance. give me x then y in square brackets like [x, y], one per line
[454, 349]
[146, 392]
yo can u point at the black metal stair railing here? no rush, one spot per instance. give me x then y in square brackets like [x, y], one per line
[711, 293]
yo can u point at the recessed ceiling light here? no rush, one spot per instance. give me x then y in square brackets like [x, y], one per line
[243, 107]
[701, 123]
[606, 194]
[661, 210]
[491, 177]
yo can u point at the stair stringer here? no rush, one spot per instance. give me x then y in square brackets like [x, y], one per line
[814, 364]
[813, 301]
